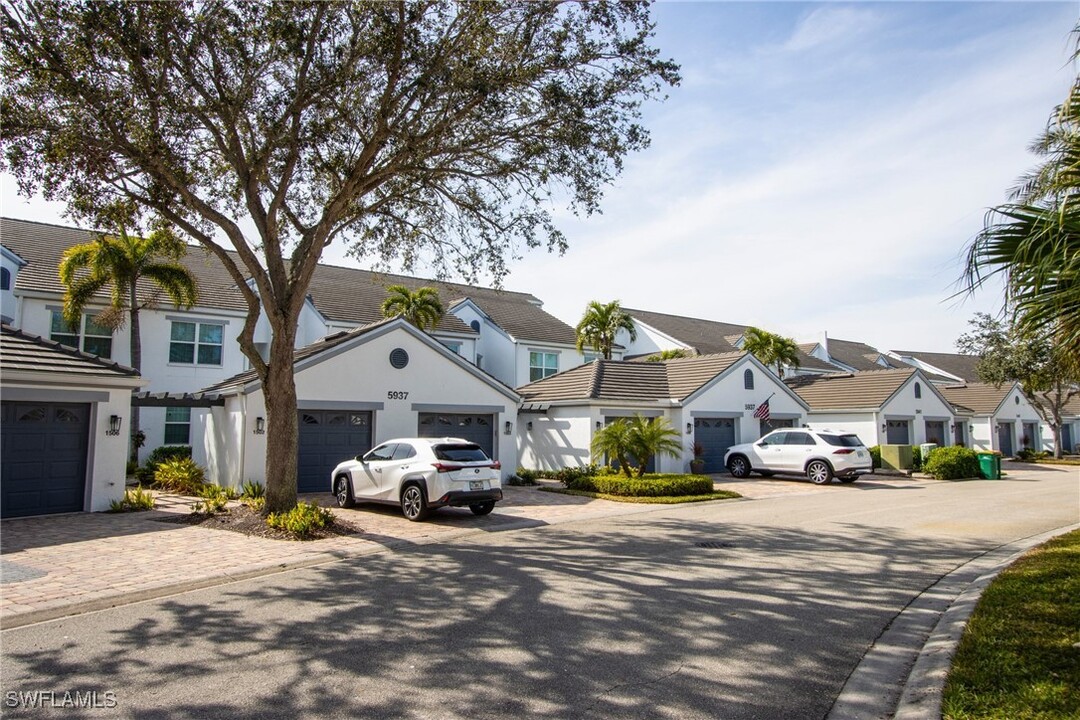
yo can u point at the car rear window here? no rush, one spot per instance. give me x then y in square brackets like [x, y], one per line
[461, 453]
[843, 440]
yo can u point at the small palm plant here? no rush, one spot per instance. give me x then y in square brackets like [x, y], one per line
[422, 307]
[613, 442]
[650, 437]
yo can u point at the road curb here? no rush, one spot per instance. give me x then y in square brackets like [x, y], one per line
[902, 675]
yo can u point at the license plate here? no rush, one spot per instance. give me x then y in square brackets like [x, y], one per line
[476, 484]
[860, 453]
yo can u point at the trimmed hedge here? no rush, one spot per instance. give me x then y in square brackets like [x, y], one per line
[652, 485]
[952, 463]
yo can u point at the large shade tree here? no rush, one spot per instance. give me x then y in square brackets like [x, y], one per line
[771, 349]
[406, 129]
[1048, 373]
[421, 307]
[135, 270]
[1033, 242]
[600, 324]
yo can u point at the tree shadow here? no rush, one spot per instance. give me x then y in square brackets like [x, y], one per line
[688, 618]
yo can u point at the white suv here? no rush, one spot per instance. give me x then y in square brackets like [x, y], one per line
[818, 454]
[421, 474]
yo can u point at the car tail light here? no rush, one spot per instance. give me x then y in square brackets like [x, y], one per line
[843, 451]
[443, 467]
[496, 465]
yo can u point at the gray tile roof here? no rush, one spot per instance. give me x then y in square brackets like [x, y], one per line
[630, 381]
[709, 337]
[962, 366]
[980, 398]
[856, 355]
[861, 390]
[22, 351]
[341, 294]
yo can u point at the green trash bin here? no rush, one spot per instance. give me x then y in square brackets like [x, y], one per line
[990, 466]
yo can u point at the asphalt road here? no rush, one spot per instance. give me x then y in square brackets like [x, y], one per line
[747, 609]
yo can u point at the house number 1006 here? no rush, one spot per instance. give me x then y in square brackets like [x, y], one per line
[397, 395]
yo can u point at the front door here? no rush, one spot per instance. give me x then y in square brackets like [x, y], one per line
[935, 432]
[959, 436]
[897, 432]
[1005, 438]
[1030, 439]
[1066, 438]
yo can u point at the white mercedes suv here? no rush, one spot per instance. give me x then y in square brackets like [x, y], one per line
[421, 474]
[818, 454]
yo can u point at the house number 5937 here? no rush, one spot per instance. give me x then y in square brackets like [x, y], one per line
[397, 395]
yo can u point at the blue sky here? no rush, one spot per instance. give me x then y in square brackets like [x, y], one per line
[820, 168]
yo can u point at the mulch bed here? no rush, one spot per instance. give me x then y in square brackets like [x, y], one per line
[244, 520]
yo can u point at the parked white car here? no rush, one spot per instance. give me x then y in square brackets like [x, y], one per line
[421, 474]
[818, 454]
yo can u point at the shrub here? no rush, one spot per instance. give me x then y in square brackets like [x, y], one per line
[525, 476]
[916, 458]
[951, 463]
[159, 455]
[251, 490]
[570, 475]
[214, 500]
[132, 467]
[134, 499]
[181, 475]
[653, 485]
[1030, 455]
[302, 520]
[875, 455]
[255, 503]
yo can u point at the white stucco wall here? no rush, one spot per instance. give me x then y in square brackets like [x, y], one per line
[569, 358]
[560, 438]
[729, 395]
[493, 350]
[647, 342]
[864, 424]
[905, 406]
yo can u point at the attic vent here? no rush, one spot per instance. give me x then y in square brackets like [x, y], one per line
[399, 358]
[475, 325]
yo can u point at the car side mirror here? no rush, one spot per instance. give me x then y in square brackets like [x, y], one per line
[360, 458]
[763, 444]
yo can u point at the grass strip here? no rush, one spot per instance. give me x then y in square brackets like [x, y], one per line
[661, 500]
[1019, 657]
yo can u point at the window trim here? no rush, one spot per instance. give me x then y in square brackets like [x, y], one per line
[544, 370]
[5, 279]
[177, 423]
[80, 333]
[196, 343]
[748, 379]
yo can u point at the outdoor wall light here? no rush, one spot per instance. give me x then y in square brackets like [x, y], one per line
[114, 425]
[689, 428]
[884, 427]
[599, 425]
[508, 427]
[260, 426]
[528, 426]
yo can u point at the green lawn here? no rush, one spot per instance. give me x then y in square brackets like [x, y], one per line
[1019, 658]
[661, 500]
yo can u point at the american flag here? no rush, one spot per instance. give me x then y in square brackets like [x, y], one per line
[762, 412]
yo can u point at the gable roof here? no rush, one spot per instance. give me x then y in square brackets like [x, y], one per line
[710, 337]
[955, 364]
[850, 391]
[310, 354]
[856, 355]
[340, 294]
[980, 398]
[631, 381]
[22, 351]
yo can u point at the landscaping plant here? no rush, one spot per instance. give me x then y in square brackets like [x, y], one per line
[181, 475]
[952, 463]
[301, 521]
[135, 499]
[214, 500]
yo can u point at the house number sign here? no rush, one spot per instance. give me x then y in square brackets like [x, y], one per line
[749, 406]
[397, 395]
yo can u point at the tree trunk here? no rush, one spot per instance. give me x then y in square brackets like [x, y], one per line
[135, 346]
[279, 392]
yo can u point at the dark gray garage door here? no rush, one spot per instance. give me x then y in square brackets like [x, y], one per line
[716, 435]
[327, 437]
[897, 433]
[479, 429]
[43, 461]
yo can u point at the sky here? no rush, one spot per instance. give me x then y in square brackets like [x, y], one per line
[820, 169]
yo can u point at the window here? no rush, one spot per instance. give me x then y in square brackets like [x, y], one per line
[5, 279]
[590, 356]
[799, 438]
[90, 337]
[748, 379]
[454, 347]
[383, 452]
[918, 391]
[404, 451]
[196, 343]
[542, 365]
[177, 425]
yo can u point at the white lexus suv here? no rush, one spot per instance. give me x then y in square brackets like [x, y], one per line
[421, 474]
[818, 454]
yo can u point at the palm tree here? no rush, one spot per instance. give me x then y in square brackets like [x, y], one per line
[613, 442]
[650, 437]
[120, 262]
[1033, 243]
[669, 354]
[600, 324]
[422, 308]
[771, 349]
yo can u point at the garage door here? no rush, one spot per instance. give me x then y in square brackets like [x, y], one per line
[479, 429]
[896, 432]
[716, 435]
[43, 461]
[328, 437]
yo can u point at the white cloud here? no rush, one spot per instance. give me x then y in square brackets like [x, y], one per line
[831, 25]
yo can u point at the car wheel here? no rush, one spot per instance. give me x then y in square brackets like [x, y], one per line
[343, 492]
[819, 472]
[482, 508]
[413, 503]
[738, 466]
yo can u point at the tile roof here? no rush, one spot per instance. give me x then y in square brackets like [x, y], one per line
[709, 337]
[961, 366]
[22, 351]
[631, 381]
[341, 294]
[856, 355]
[870, 389]
[980, 398]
